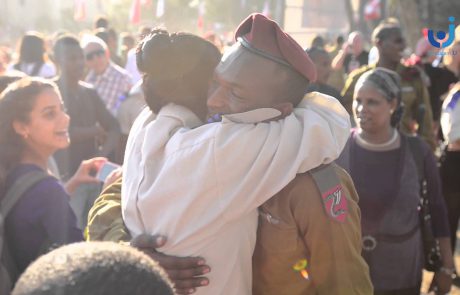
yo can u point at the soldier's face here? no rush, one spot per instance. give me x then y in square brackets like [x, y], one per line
[244, 81]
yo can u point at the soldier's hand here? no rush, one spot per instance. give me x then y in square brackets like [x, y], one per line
[185, 272]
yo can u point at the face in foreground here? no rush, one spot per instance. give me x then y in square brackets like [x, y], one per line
[371, 110]
[244, 81]
[47, 128]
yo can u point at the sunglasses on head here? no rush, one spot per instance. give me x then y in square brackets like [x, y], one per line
[93, 54]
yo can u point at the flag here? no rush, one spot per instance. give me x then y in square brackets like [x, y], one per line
[201, 13]
[160, 8]
[266, 9]
[372, 10]
[79, 10]
[135, 13]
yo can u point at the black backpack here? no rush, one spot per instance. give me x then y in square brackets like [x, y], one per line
[8, 270]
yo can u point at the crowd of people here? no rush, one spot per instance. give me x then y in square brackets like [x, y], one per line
[260, 168]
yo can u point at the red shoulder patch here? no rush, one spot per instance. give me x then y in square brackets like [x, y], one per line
[335, 203]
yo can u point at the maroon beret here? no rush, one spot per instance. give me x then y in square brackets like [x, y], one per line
[264, 37]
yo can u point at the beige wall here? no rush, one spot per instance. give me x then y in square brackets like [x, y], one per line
[326, 17]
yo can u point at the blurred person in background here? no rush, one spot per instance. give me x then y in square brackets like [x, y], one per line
[128, 42]
[111, 82]
[127, 113]
[417, 116]
[452, 60]
[352, 56]
[110, 37]
[32, 57]
[450, 161]
[131, 66]
[437, 77]
[322, 62]
[93, 130]
[5, 59]
[317, 42]
[101, 21]
[336, 78]
[382, 164]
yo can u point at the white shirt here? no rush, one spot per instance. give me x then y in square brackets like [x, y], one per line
[201, 187]
[47, 70]
[450, 116]
[131, 66]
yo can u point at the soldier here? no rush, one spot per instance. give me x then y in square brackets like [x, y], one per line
[309, 233]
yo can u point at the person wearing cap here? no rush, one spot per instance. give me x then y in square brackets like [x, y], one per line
[214, 209]
[417, 116]
[266, 68]
[111, 82]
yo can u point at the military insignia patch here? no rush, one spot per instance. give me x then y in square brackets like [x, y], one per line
[335, 203]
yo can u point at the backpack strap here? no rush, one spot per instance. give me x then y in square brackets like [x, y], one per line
[20, 186]
[8, 268]
[330, 187]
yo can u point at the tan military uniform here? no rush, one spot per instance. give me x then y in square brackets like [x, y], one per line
[105, 222]
[293, 226]
[414, 93]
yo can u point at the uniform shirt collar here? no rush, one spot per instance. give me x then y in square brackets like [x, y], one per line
[188, 118]
[252, 117]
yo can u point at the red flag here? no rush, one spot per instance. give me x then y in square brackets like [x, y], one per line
[135, 13]
[80, 10]
[200, 23]
[201, 13]
[372, 10]
[266, 9]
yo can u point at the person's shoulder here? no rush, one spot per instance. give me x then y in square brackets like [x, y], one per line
[47, 192]
[424, 147]
[88, 90]
[120, 71]
[364, 54]
[411, 74]
[354, 75]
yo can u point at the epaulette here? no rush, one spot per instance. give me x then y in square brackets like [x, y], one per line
[332, 193]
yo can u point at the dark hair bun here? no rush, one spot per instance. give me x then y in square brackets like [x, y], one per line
[165, 56]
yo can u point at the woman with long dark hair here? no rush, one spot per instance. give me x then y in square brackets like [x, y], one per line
[32, 57]
[33, 125]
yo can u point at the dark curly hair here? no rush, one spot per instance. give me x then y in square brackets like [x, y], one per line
[175, 61]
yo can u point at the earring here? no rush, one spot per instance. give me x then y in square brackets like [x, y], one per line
[391, 112]
[25, 135]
